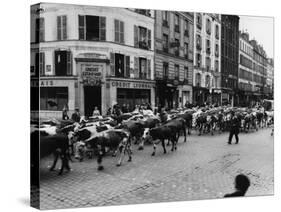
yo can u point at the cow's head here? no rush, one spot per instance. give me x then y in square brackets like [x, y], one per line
[146, 137]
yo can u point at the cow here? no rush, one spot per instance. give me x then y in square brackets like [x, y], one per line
[113, 139]
[187, 116]
[52, 144]
[159, 134]
[179, 125]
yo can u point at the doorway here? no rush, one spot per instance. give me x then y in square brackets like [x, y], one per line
[92, 98]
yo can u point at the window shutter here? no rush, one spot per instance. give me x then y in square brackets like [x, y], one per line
[136, 68]
[136, 36]
[64, 28]
[102, 28]
[122, 32]
[59, 28]
[116, 27]
[112, 64]
[41, 63]
[69, 62]
[127, 66]
[81, 20]
[42, 30]
[148, 69]
[149, 38]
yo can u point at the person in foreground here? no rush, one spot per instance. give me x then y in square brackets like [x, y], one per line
[242, 183]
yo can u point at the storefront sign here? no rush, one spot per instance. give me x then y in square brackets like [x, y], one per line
[136, 85]
[91, 74]
[42, 83]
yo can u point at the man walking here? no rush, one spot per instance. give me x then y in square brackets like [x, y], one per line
[234, 128]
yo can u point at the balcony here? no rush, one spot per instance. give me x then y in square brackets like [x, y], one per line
[143, 45]
[177, 28]
[165, 23]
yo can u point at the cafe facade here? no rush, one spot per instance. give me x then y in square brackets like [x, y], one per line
[73, 66]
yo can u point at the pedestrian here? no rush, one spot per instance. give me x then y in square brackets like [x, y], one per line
[109, 112]
[96, 111]
[234, 128]
[76, 115]
[242, 183]
[64, 113]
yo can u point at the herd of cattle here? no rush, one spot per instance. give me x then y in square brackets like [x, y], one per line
[103, 135]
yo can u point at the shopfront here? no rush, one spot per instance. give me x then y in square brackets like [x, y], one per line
[130, 92]
[55, 94]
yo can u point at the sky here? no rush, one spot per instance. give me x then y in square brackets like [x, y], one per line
[261, 29]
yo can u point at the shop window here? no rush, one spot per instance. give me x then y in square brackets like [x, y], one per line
[39, 30]
[119, 31]
[63, 63]
[53, 98]
[142, 37]
[92, 28]
[61, 27]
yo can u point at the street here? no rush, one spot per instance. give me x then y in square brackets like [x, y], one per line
[202, 168]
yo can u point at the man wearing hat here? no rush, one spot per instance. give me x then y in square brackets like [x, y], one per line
[234, 128]
[76, 115]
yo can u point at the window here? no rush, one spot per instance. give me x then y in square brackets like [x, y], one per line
[119, 31]
[120, 65]
[198, 42]
[208, 26]
[198, 80]
[92, 28]
[186, 75]
[63, 63]
[186, 50]
[165, 18]
[207, 82]
[199, 21]
[61, 27]
[39, 63]
[142, 37]
[186, 28]
[217, 50]
[208, 63]
[177, 47]
[143, 68]
[165, 70]
[177, 70]
[217, 32]
[165, 43]
[177, 23]
[53, 98]
[198, 60]
[39, 30]
[208, 46]
[217, 66]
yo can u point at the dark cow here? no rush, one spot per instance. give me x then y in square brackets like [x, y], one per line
[201, 122]
[159, 134]
[179, 125]
[188, 120]
[52, 144]
[114, 140]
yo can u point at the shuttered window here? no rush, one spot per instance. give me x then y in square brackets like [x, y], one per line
[136, 67]
[39, 30]
[136, 36]
[92, 27]
[62, 27]
[119, 31]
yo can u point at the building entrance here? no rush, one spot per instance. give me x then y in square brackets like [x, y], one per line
[92, 98]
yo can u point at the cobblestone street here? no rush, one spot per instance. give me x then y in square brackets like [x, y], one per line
[202, 168]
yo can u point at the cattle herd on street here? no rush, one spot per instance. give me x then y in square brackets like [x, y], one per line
[104, 135]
